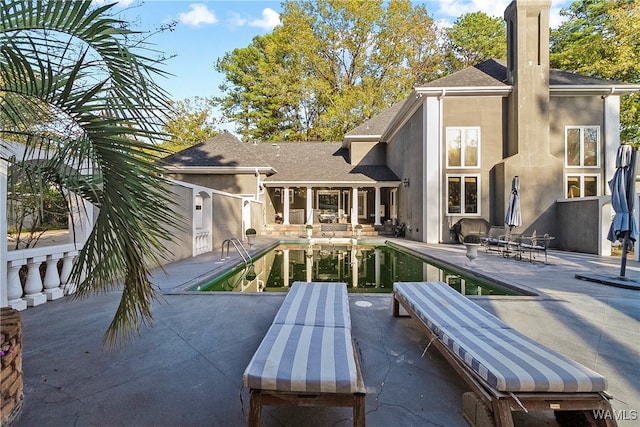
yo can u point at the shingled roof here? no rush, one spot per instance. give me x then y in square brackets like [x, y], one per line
[320, 162]
[222, 150]
[378, 123]
[493, 72]
[294, 162]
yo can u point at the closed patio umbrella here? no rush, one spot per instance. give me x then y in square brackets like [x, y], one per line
[513, 218]
[622, 185]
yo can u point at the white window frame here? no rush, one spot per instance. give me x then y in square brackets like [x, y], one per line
[462, 145]
[582, 176]
[566, 148]
[462, 192]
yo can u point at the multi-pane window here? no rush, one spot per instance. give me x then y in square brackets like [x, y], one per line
[582, 146]
[463, 194]
[583, 185]
[463, 147]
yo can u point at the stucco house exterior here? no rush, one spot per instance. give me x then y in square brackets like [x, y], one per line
[449, 151]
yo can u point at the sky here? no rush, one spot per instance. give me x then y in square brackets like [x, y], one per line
[206, 30]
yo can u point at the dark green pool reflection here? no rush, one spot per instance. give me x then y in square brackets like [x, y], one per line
[365, 269]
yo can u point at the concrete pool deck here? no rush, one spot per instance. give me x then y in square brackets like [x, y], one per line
[186, 369]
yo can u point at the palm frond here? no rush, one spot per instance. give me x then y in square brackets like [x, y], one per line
[71, 84]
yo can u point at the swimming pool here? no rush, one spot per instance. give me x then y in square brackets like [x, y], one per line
[364, 268]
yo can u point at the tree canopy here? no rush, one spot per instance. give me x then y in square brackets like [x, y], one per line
[473, 38]
[328, 67]
[191, 121]
[600, 38]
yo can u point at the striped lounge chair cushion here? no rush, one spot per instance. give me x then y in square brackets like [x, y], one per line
[315, 304]
[510, 362]
[438, 305]
[299, 358]
[507, 360]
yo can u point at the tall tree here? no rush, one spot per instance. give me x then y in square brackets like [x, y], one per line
[191, 121]
[600, 38]
[329, 66]
[473, 38]
[71, 84]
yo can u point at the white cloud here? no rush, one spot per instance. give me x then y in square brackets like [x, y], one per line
[236, 20]
[198, 15]
[270, 18]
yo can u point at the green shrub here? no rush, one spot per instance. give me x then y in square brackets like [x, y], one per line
[250, 231]
[471, 238]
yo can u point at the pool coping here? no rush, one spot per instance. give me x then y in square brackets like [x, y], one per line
[235, 262]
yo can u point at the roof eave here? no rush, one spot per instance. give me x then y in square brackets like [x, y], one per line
[216, 170]
[295, 183]
[585, 90]
[443, 91]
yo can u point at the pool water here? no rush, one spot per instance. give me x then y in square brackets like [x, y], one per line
[364, 268]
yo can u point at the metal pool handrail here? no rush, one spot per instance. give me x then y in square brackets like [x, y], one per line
[241, 250]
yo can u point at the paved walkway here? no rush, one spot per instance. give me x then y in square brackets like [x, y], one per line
[186, 369]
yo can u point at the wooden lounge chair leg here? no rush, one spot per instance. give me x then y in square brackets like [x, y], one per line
[502, 413]
[358, 411]
[396, 307]
[255, 408]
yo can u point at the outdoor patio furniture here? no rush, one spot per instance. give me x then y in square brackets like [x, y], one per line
[466, 226]
[506, 370]
[307, 357]
[533, 245]
[494, 240]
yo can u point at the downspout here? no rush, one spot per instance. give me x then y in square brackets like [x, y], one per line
[440, 167]
[259, 186]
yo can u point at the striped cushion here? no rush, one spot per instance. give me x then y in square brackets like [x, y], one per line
[298, 358]
[503, 357]
[439, 305]
[315, 304]
[511, 362]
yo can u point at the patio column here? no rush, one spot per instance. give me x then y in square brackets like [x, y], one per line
[377, 267]
[285, 208]
[309, 205]
[309, 264]
[354, 206]
[377, 206]
[285, 267]
[354, 266]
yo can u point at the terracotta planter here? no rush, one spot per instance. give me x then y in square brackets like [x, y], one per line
[11, 385]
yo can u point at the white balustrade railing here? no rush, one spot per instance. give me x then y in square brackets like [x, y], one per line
[55, 283]
[201, 242]
[38, 290]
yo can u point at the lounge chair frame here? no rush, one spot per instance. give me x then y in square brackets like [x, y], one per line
[258, 398]
[294, 313]
[502, 404]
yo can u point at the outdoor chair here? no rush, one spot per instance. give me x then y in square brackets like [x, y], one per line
[506, 370]
[307, 357]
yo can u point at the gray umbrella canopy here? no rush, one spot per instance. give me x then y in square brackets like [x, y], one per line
[622, 187]
[513, 218]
